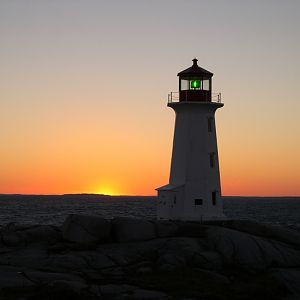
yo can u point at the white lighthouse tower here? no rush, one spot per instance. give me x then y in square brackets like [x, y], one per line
[194, 190]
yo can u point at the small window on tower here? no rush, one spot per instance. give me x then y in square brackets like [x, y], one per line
[214, 198]
[212, 159]
[198, 201]
[210, 124]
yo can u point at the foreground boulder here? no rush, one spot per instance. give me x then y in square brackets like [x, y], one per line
[166, 228]
[251, 252]
[277, 233]
[290, 278]
[130, 229]
[18, 235]
[85, 229]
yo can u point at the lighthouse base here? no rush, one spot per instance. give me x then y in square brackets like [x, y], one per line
[179, 202]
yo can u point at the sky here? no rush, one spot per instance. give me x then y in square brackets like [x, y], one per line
[84, 85]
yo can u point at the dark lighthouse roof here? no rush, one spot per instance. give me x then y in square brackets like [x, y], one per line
[195, 70]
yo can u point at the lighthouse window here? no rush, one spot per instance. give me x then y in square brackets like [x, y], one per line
[212, 159]
[206, 85]
[184, 85]
[195, 84]
[198, 201]
[214, 198]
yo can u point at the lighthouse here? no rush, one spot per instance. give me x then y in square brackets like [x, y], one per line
[194, 189]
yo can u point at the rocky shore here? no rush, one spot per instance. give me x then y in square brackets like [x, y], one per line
[90, 257]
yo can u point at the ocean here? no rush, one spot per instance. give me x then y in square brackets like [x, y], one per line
[53, 209]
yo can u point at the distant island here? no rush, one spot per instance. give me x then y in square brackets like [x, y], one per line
[86, 194]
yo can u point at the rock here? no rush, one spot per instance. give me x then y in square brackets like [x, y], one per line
[170, 261]
[92, 275]
[75, 287]
[144, 270]
[141, 267]
[191, 229]
[62, 290]
[95, 291]
[65, 263]
[115, 289]
[209, 260]
[290, 278]
[12, 239]
[42, 233]
[28, 257]
[195, 262]
[213, 277]
[83, 229]
[46, 277]
[166, 228]
[130, 229]
[11, 277]
[114, 273]
[182, 246]
[277, 233]
[131, 254]
[96, 260]
[141, 294]
[17, 235]
[121, 254]
[177, 252]
[251, 252]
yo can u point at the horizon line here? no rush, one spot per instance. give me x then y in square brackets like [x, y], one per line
[107, 195]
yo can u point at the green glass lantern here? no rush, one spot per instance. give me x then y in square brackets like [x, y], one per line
[195, 84]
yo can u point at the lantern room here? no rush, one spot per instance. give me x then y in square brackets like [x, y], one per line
[195, 84]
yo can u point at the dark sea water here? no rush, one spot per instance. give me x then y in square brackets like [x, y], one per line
[28, 209]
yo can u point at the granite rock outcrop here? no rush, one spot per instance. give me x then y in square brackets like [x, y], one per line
[89, 257]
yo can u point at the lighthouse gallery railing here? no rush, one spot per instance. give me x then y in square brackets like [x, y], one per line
[174, 97]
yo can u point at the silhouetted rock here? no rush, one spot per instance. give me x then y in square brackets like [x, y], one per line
[183, 246]
[210, 260]
[130, 229]
[65, 262]
[251, 252]
[290, 278]
[83, 229]
[141, 259]
[277, 233]
[39, 277]
[112, 290]
[213, 277]
[11, 277]
[34, 257]
[166, 228]
[18, 235]
[191, 229]
[141, 294]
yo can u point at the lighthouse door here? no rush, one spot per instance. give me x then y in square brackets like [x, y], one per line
[173, 204]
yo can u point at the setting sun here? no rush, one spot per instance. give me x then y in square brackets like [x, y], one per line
[108, 189]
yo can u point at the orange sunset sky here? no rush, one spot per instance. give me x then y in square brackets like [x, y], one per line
[84, 84]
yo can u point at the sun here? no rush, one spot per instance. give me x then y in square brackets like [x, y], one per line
[107, 190]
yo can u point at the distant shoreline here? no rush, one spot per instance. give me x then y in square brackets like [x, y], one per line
[104, 195]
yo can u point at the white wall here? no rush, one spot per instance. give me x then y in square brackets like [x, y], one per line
[190, 165]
